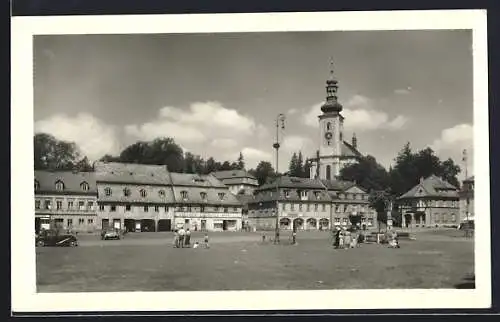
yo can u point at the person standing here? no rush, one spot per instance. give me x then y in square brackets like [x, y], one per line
[182, 233]
[206, 240]
[176, 239]
[294, 237]
[187, 238]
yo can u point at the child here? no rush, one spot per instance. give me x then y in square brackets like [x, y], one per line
[196, 245]
[206, 241]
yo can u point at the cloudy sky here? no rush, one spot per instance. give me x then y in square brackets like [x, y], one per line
[218, 94]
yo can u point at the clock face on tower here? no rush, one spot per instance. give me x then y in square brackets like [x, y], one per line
[328, 135]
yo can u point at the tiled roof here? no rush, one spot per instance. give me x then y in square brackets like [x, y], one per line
[240, 181]
[293, 182]
[131, 173]
[195, 180]
[432, 186]
[72, 181]
[211, 196]
[152, 194]
[337, 185]
[228, 174]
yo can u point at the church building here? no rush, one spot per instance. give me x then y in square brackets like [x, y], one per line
[334, 153]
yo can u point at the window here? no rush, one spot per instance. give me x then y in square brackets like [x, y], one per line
[203, 196]
[37, 204]
[337, 220]
[126, 192]
[47, 204]
[342, 196]
[59, 185]
[81, 205]
[202, 208]
[184, 195]
[323, 207]
[70, 222]
[221, 195]
[316, 194]
[316, 207]
[127, 207]
[303, 193]
[235, 209]
[84, 186]
[90, 221]
[143, 193]
[58, 204]
[37, 185]
[370, 221]
[328, 126]
[225, 209]
[287, 193]
[70, 204]
[216, 208]
[308, 207]
[113, 208]
[90, 205]
[146, 208]
[328, 170]
[107, 191]
[81, 221]
[300, 207]
[101, 207]
[157, 208]
[166, 208]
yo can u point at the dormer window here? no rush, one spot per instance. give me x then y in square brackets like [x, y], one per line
[302, 193]
[126, 192]
[161, 193]
[37, 185]
[107, 191]
[184, 195]
[342, 196]
[287, 193]
[221, 195]
[203, 196]
[143, 193]
[316, 194]
[84, 186]
[59, 185]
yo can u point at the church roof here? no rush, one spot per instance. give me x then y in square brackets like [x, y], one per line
[432, 186]
[348, 150]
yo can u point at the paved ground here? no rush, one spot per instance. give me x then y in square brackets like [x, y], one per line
[240, 261]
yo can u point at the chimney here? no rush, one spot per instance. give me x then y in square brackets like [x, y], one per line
[354, 141]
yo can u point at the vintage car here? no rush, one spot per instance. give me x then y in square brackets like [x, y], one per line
[54, 238]
[110, 234]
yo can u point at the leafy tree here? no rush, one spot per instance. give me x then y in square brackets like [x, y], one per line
[210, 165]
[241, 162]
[367, 173]
[293, 169]
[450, 171]
[109, 158]
[84, 165]
[379, 201]
[53, 154]
[226, 166]
[263, 172]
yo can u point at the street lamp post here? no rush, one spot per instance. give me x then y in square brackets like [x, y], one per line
[280, 122]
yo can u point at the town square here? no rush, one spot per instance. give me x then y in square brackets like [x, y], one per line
[297, 170]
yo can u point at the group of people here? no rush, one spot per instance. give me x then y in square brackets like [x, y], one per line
[345, 239]
[182, 239]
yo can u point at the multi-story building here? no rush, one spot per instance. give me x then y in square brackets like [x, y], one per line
[66, 200]
[431, 203]
[467, 200]
[309, 204]
[202, 202]
[135, 197]
[240, 182]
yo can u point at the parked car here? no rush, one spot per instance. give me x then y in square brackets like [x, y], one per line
[54, 238]
[110, 234]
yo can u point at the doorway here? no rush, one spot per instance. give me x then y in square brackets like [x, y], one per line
[164, 225]
[105, 224]
[129, 224]
[224, 225]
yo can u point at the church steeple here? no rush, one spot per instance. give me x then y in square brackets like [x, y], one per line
[331, 105]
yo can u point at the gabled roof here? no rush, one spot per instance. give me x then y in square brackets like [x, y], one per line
[229, 174]
[71, 180]
[337, 185]
[294, 182]
[195, 180]
[432, 186]
[349, 151]
[131, 173]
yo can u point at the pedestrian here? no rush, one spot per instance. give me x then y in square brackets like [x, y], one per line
[176, 239]
[182, 233]
[263, 237]
[294, 237]
[336, 236]
[206, 241]
[341, 239]
[187, 238]
[347, 239]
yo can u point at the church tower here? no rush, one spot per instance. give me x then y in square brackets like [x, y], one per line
[328, 162]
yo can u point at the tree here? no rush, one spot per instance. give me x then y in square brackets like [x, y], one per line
[450, 171]
[263, 172]
[241, 162]
[210, 165]
[300, 165]
[379, 200]
[225, 166]
[84, 165]
[307, 168]
[369, 174]
[53, 154]
[109, 158]
[293, 169]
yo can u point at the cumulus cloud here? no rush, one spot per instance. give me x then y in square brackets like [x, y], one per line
[196, 124]
[93, 137]
[455, 138]
[297, 143]
[224, 143]
[360, 115]
[253, 156]
[403, 91]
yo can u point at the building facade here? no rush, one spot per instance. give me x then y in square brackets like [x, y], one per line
[431, 203]
[202, 202]
[135, 197]
[65, 200]
[334, 153]
[309, 204]
[239, 182]
[467, 200]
